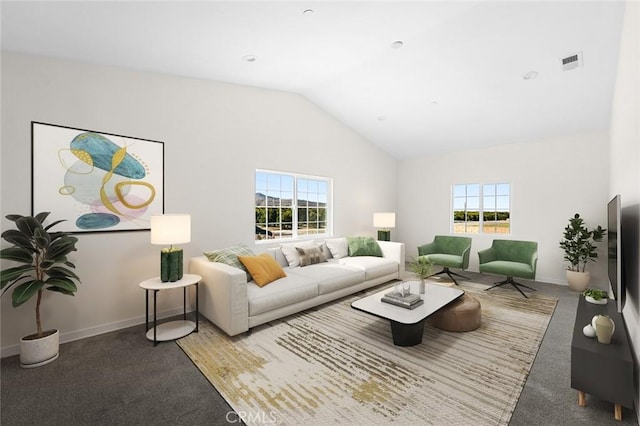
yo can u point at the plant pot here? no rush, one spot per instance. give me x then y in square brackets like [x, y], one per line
[578, 281]
[37, 352]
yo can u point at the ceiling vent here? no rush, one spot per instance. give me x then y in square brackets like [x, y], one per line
[570, 62]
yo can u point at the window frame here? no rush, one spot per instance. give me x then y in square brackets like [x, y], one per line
[465, 197]
[297, 179]
[482, 209]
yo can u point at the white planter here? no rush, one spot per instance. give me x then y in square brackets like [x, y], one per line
[578, 281]
[594, 301]
[37, 352]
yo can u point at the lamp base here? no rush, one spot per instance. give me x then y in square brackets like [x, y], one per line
[384, 235]
[171, 264]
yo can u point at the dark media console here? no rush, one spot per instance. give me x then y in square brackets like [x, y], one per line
[604, 371]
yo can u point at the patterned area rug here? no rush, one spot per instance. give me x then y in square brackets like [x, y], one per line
[338, 365]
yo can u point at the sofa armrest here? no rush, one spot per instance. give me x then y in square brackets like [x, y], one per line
[486, 255]
[223, 294]
[394, 251]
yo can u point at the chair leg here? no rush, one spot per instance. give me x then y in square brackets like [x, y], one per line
[446, 270]
[515, 285]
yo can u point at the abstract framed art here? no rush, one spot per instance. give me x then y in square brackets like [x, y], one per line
[98, 182]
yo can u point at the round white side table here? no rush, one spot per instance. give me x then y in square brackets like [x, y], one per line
[173, 329]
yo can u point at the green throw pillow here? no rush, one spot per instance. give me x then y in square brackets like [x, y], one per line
[229, 256]
[363, 246]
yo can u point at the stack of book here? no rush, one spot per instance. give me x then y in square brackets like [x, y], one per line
[408, 301]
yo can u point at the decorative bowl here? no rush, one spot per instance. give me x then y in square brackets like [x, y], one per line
[594, 301]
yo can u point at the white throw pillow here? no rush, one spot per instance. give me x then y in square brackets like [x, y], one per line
[338, 247]
[291, 254]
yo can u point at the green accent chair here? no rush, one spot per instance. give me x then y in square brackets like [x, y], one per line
[448, 252]
[511, 258]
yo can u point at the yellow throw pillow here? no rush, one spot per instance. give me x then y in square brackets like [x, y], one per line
[263, 268]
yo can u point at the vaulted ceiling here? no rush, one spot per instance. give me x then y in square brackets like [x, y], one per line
[414, 78]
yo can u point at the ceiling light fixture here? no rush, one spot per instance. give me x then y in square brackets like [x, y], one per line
[308, 12]
[530, 75]
[397, 44]
[249, 58]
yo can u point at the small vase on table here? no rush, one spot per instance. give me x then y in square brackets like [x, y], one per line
[605, 327]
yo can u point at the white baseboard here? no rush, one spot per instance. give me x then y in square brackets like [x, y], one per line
[551, 280]
[100, 329]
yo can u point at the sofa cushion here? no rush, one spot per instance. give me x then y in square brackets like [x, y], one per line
[448, 260]
[504, 267]
[263, 268]
[283, 292]
[229, 256]
[373, 267]
[311, 255]
[363, 246]
[291, 253]
[338, 247]
[331, 276]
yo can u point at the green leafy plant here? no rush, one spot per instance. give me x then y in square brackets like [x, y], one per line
[42, 256]
[595, 293]
[578, 243]
[421, 266]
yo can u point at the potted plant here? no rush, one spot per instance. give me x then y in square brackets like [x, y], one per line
[42, 256]
[422, 267]
[579, 248]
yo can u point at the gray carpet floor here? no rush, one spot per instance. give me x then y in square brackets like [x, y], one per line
[120, 378]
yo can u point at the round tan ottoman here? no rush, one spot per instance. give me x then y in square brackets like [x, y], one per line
[462, 315]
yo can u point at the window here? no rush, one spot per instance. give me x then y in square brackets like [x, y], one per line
[481, 208]
[466, 209]
[495, 208]
[290, 205]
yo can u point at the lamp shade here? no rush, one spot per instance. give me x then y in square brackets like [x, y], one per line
[384, 220]
[170, 229]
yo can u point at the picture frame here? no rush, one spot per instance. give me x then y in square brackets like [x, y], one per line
[95, 181]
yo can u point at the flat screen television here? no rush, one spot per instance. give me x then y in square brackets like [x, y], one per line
[614, 251]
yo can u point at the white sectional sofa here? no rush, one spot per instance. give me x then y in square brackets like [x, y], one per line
[235, 305]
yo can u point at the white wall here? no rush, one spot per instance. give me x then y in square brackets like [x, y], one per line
[551, 180]
[625, 165]
[215, 136]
